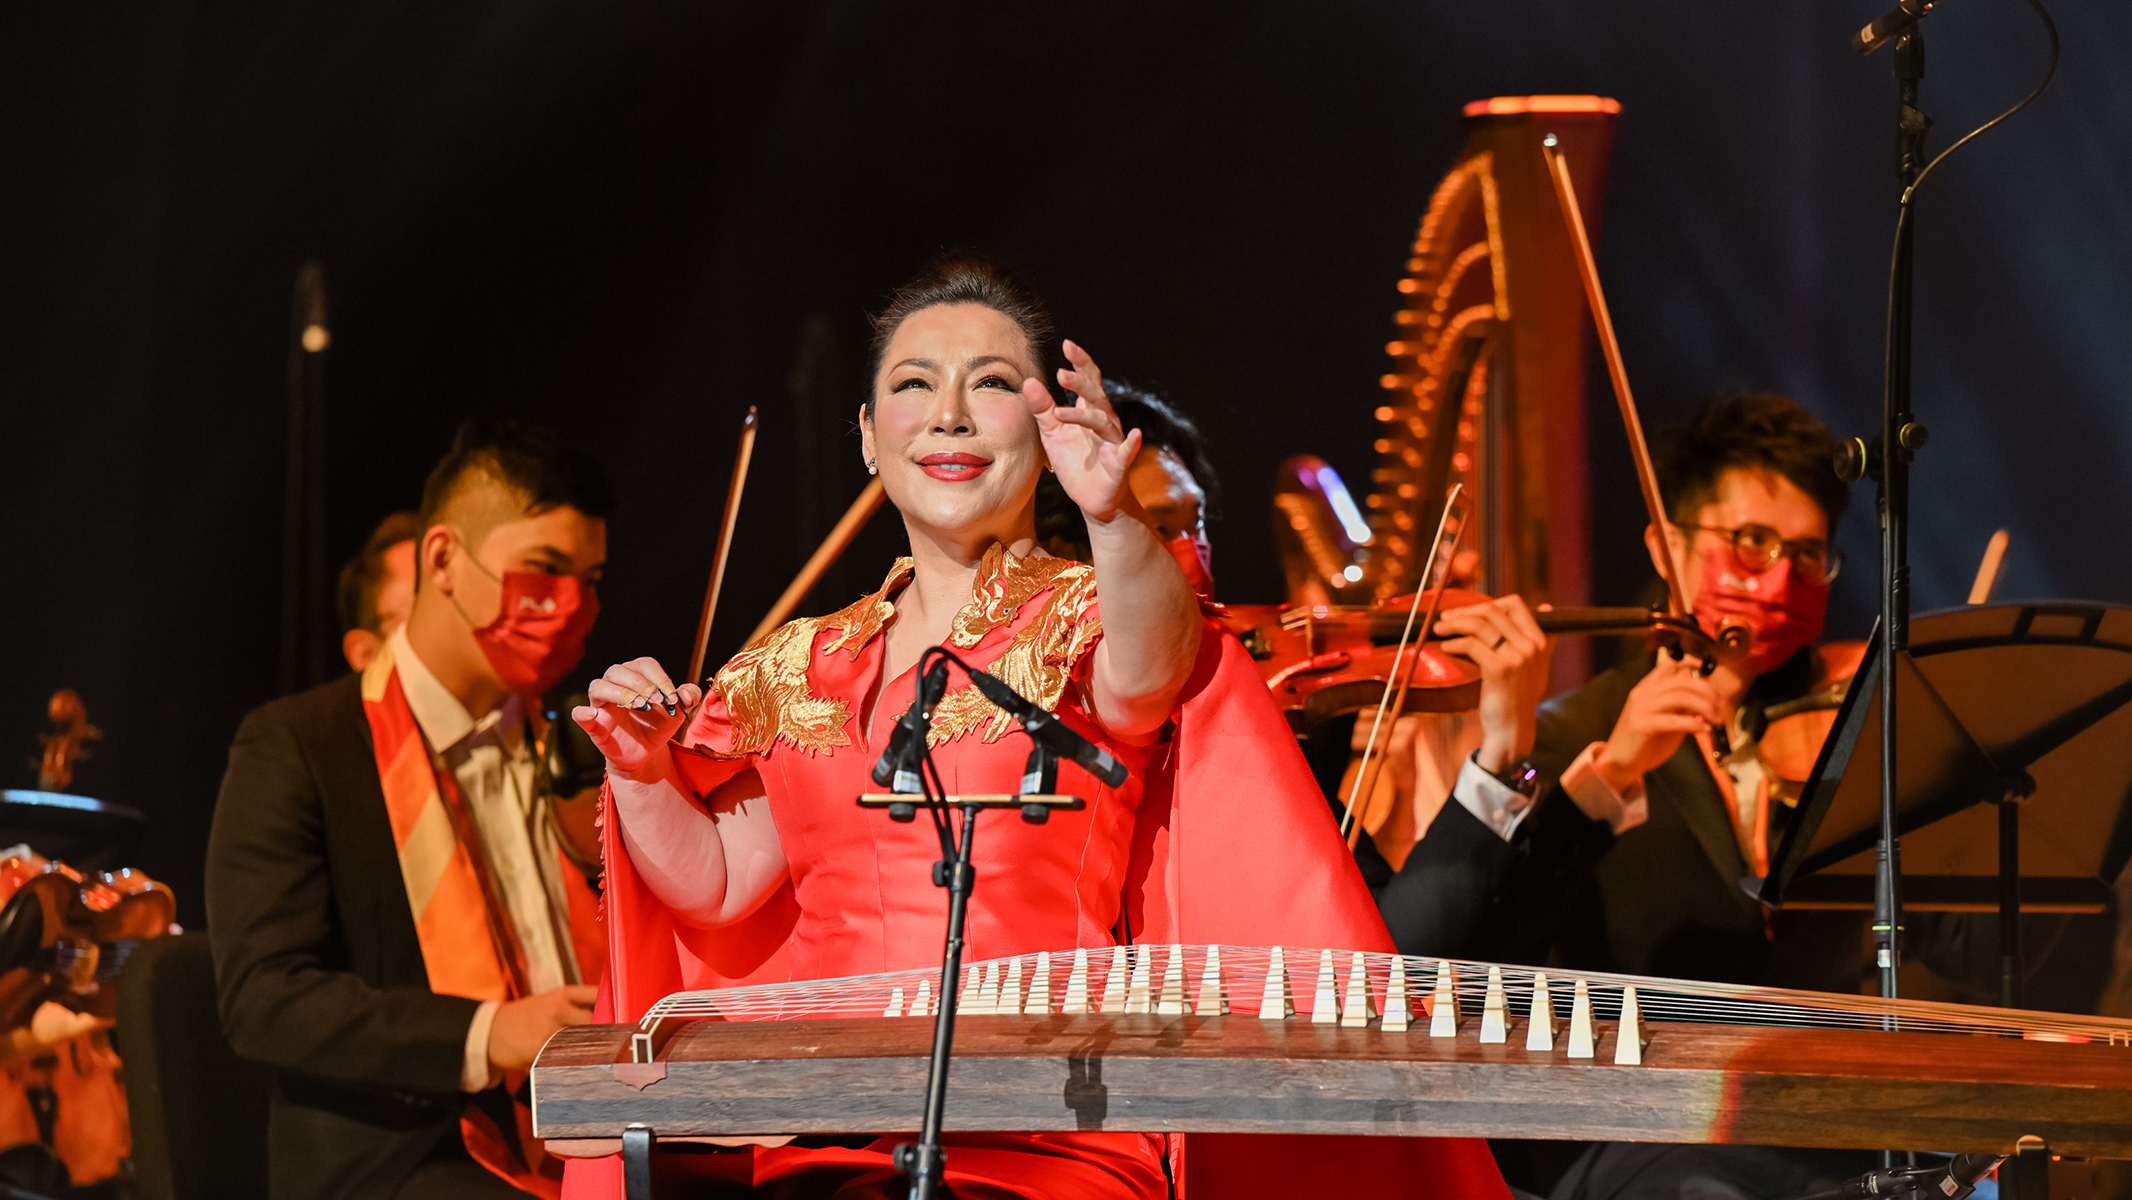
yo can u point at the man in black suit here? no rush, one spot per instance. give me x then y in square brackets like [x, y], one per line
[1623, 841]
[313, 882]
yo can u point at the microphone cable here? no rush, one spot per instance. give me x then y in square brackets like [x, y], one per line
[1902, 216]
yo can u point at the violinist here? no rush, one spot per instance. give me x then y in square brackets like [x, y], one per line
[1621, 841]
[1171, 475]
[1617, 836]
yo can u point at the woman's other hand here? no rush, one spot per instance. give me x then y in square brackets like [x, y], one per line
[1089, 451]
[635, 711]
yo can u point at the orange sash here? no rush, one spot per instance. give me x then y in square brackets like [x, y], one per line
[469, 946]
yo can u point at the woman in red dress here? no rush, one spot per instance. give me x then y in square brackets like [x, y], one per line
[742, 857]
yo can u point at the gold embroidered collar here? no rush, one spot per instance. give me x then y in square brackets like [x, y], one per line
[768, 695]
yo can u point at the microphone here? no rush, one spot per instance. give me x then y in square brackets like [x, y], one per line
[1051, 733]
[1891, 25]
[1952, 1181]
[1963, 1173]
[897, 768]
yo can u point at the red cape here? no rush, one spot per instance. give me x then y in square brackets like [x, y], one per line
[1234, 845]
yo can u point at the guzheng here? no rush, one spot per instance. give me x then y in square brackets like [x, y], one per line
[1306, 1041]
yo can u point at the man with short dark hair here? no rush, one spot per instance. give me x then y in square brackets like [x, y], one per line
[395, 926]
[377, 588]
[1617, 836]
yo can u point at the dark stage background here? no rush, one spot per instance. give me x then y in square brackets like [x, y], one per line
[634, 220]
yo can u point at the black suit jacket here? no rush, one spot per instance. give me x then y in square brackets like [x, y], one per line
[317, 965]
[1665, 898]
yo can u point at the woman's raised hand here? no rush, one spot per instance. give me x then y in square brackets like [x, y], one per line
[635, 711]
[1089, 450]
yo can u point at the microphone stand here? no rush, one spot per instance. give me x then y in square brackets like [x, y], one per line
[1900, 437]
[925, 1163]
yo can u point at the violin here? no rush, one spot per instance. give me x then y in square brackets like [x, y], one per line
[1794, 731]
[63, 941]
[64, 746]
[1325, 661]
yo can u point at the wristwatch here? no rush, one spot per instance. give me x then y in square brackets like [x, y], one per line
[1523, 778]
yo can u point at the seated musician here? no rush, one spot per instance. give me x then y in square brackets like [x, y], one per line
[741, 855]
[394, 929]
[377, 588]
[1171, 475]
[1632, 856]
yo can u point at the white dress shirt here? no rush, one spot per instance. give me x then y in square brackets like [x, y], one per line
[493, 761]
[1501, 809]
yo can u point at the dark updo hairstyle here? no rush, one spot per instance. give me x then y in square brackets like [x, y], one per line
[1059, 522]
[1753, 431]
[963, 277]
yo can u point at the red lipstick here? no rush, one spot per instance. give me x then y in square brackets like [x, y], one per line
[954, 467]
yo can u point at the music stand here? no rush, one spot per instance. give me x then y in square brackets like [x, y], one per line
[2025, 708]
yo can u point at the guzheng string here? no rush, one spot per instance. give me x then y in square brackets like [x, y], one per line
[1146, 978]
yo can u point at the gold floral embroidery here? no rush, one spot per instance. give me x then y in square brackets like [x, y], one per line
[769, 698]
[765, 686]
[1040, 660]
[863, 620]
[1004, 583]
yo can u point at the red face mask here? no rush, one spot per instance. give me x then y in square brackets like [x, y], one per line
[539, 632]
[1196, 556]
[1781, 610]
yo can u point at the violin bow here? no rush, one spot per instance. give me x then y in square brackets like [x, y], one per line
[1731, 636]
[1365, 780]
[832, 547]
[1588, 268]
[725, 547]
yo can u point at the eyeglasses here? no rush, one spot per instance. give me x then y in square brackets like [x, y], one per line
[1758, 547]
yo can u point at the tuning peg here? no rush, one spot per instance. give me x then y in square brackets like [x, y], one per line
[1540, 1019]
[1628, 1036]
[1277, 1004]
[1495, 1009]
[1077, 984]
[1443, 1005]
[1114, 983]
[1171, 1002]
[1325, 1007]
[1009, 999]
[1138, 997]
[1398, 1013]
[1580, 1023]
[1360, 1006]
[1213, 997]
[1039, 1001]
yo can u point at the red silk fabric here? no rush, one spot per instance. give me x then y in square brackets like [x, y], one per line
[1220, 836]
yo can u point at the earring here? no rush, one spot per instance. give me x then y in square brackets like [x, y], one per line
[870, 469]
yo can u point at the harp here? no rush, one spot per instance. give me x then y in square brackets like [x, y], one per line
[1486, 390]
[1485, 387]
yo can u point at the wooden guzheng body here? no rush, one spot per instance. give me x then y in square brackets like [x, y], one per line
[1303, 1041]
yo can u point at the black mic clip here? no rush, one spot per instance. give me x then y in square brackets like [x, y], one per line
[898, 767]
[1048, 731]
[1891, 25]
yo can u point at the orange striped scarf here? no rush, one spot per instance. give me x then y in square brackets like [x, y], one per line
[469, 946]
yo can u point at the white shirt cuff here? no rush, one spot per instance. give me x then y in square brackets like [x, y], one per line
[1490, 801]
[1595, 798]
[474, 1072]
